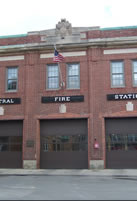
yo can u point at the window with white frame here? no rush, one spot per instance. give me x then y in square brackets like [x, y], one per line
[134, 73]
[117, 74]
[12, 79]
[52, 76]
[73, 76]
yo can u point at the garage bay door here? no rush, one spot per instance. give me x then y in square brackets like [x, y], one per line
[121, 143]
[11, 144]
[64, 144]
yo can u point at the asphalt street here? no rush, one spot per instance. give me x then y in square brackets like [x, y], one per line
[68, 187]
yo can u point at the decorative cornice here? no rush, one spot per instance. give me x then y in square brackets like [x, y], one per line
[104, 42]
[63, 28]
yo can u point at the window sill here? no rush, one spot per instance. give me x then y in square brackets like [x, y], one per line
[72, 88]
[12, 91]
[117, 87]
[53, 89]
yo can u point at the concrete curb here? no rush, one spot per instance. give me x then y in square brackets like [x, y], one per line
[64, 172]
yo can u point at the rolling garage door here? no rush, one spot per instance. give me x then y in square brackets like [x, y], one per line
[11, 144]
[64, 144]
[121, 143]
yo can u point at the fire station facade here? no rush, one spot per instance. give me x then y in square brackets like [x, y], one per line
[80, 114]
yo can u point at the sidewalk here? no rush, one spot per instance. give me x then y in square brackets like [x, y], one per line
[65, 172]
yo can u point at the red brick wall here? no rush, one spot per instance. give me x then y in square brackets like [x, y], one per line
[101, 86]
[112, 33]
[32, 86]
[19, 40]
[14, 109]
[95, 84]
[78, 108]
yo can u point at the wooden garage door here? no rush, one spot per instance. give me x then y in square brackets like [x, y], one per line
[11, 144]
[64, 144]
[121, 143]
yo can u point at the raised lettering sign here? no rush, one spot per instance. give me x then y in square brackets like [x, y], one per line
[61, 99]
[130, 96]
[9, 101]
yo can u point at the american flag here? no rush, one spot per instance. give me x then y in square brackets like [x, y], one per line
[57, 56]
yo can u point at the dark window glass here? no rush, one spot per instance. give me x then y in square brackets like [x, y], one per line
[12, 78]
[134, 73]
[117, 74]
[125, 142]
[64, 143]
[12, 143]
[52, 77]
[12, 85]
[73, 76]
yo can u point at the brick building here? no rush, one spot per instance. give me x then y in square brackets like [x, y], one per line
[88, 121]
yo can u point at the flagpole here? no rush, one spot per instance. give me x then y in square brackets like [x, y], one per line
[60, 74]
[61, 79]
[55, 46]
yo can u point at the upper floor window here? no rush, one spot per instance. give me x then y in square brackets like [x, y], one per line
[52, 76]
[134, 73]
[73, 76]
[117, 74]
[12, 78]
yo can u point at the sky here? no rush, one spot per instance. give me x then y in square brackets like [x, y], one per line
[22, 16]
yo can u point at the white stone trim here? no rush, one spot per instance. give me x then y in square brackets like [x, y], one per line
[121, 51]
[96, 164]
[129, 106]
[65, 54]
[62, 108]
[29, 164]
[83, 35]
[12, 58]
[1, 111]
[45, 56]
